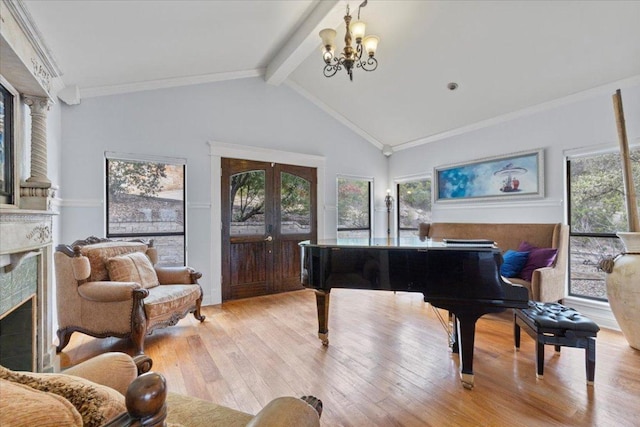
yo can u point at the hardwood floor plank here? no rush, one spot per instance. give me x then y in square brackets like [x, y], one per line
[387, 364]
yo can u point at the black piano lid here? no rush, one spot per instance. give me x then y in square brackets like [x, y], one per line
[394, 243]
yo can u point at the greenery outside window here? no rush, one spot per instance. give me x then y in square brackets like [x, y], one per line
[146, 200]
[354, 207]
[596, 211]
[414, 205]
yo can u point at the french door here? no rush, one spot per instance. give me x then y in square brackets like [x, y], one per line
[267, 209]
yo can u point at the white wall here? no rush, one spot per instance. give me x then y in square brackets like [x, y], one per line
[54, 160]
[178, 122]
[589, 121]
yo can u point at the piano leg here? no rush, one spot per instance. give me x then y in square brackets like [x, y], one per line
[453, 333]
[322, 303]
[466, 339]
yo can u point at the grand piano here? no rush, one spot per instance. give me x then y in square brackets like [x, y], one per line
[461, 277]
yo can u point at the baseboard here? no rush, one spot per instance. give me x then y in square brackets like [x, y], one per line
[598, 311]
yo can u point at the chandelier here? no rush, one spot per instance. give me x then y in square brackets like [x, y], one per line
[350, 56]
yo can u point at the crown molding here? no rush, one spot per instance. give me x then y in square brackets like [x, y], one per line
[168, 83]
[570, 99]
[576, 97]
[26, 23]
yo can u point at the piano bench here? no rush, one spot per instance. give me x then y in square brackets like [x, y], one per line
[557, 325]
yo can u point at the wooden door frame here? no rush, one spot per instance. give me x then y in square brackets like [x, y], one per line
[218, 150]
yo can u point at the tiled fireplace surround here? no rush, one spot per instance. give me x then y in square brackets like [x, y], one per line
[25, 276]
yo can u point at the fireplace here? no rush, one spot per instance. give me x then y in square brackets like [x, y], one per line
[18, 337]
[29, 77]
[26, 305]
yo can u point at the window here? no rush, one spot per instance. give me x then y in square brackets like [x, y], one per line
[354, 208]
[596, 212]
[414, 205]
[146, 200]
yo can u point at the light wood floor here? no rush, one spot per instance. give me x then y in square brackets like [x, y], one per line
[387, 364]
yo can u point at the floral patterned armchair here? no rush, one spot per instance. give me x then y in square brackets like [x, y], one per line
[108, 288]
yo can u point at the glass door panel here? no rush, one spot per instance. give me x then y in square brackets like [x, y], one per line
[295, 204]
[247, 193]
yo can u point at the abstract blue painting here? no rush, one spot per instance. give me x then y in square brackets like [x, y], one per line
[517, 175]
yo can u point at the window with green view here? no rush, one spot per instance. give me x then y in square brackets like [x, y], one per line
[596, 212]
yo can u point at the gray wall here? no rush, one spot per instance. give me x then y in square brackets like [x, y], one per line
[178, 122]
[585, 122]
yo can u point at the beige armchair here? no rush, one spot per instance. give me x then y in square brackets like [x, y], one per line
[107, 391]
[111, 288]
[548, 283]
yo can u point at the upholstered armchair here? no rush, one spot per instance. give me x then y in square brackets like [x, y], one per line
[111, 288]
[107, 391]
[546, 280]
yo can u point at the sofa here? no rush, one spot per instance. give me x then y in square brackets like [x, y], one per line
[107, 391]
[115, 288]
[539, 241]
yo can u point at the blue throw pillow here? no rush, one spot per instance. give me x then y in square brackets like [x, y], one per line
[513, 263]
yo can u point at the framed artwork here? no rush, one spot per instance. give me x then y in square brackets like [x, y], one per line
[6, 146]
[514, 176]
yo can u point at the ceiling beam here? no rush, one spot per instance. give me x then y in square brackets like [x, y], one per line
[327, 13]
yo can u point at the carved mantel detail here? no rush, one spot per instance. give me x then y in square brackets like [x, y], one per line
[41, 233]
[41, 73]
[23, 231]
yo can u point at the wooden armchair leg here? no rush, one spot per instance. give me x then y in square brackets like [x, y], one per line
[196, 312]
[138, 320]
[64, 335]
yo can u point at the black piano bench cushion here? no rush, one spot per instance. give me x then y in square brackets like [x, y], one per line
[557, 316]
[557, 325]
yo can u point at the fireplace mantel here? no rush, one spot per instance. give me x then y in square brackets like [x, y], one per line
[32, 78]
[24, 234]
[23, 230]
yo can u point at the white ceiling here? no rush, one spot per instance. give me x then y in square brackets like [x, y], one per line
[506, 56]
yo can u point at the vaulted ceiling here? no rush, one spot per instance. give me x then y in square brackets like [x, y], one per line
[505, 56]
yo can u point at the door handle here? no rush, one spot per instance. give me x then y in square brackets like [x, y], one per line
[268, 239]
